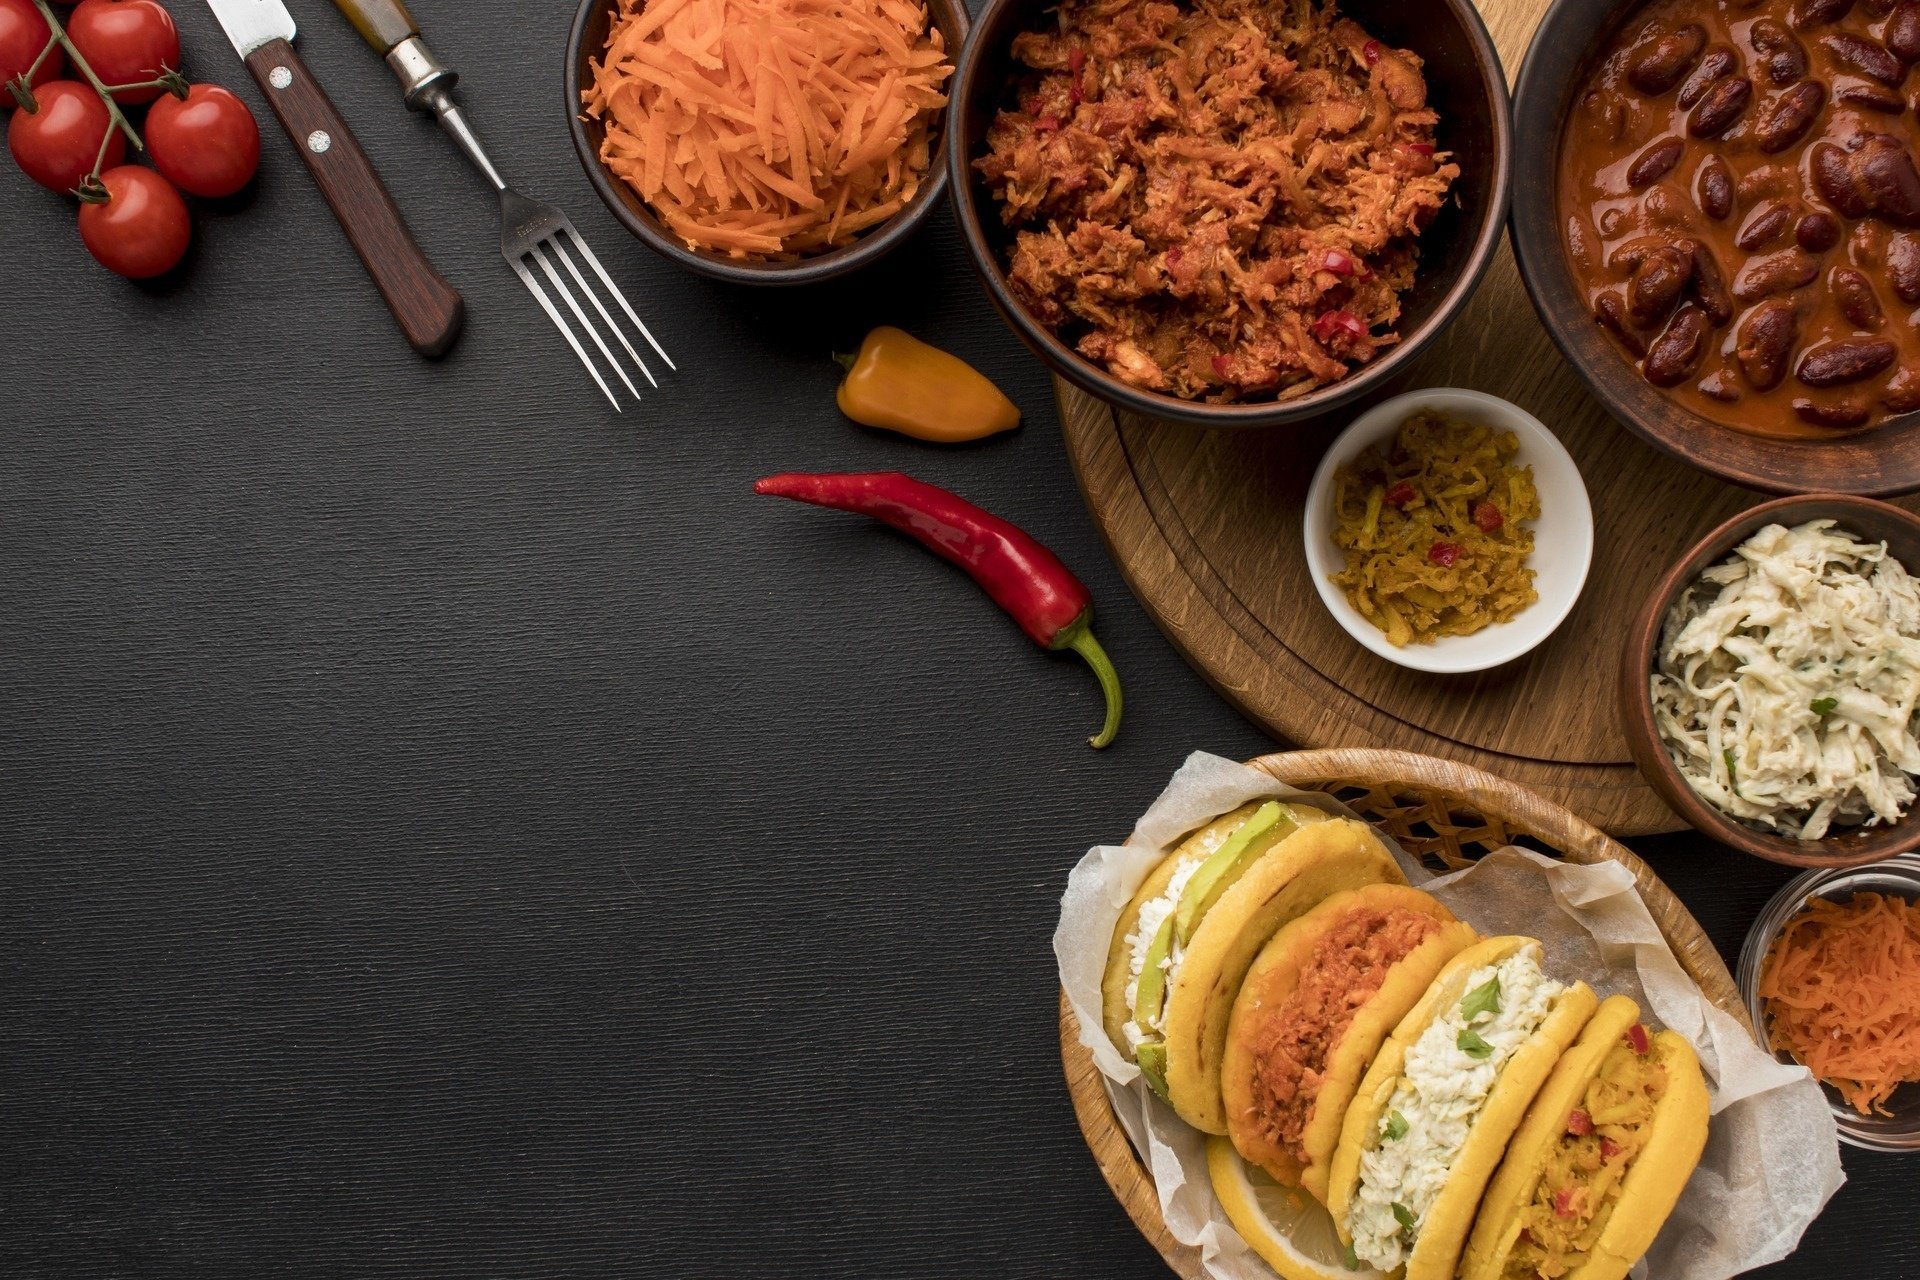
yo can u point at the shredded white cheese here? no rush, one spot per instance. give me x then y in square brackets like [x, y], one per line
[1152, 915]
[1786, 698]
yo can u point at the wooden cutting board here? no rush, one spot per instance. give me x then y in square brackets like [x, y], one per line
[1206, 527]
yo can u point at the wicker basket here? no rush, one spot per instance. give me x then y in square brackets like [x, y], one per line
[1447, 815]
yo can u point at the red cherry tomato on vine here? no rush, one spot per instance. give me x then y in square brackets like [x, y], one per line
[125, 42]
[141, 229]
[23, 34]
[206, 143]
[56, 144]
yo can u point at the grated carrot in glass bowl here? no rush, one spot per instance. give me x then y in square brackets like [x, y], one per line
[770, 128]
[1842, 990]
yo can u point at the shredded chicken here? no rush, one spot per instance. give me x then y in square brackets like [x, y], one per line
[1787, 698]
[1216, 200]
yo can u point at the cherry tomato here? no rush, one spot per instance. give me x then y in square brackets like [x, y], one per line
[23, 34]
[206, 143]
[56, 145]
[141, 229]
[126, 41]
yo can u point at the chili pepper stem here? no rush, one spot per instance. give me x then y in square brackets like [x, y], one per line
[115, 115]
[845, 359]
[1078, 636]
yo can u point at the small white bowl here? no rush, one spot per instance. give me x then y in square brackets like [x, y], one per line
[1562, 536]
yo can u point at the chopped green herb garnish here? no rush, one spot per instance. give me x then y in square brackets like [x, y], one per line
[1353, 1259]
[1823, 706]
[1733, 775]
[1472, 1045]
[1403, 1216]
[1484, 998]
[1396, 1126]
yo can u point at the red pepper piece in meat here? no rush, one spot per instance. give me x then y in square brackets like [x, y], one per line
[1488, 517]
[1444, 553]
[1340, 263]
[1637, 1037]
[1579, 1123]
[1371, 51]
[1040, 593]
[1420, 148]
[1331, 323]
[1047, 123]
[1076, 63]
[1566, 1201]
[1400, 495]
[1609, 1148]
[1222, 366]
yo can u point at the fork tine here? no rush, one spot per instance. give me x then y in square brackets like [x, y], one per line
[619, 297]
[539, 255]
[560, 252]
[526, 277]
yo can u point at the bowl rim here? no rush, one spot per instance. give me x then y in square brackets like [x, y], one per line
[1534, 435]
[1855, 1129]
[1855, 464]
[868, 248]
[1643, 735]
[1076, 369]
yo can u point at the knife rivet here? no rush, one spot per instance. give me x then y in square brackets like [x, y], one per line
[280, 77]
[318, 141]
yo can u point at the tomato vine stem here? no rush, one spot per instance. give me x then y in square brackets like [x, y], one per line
[117, 118]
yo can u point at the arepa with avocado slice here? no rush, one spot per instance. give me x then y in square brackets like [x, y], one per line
[1434, 1113]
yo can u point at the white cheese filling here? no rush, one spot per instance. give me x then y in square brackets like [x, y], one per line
[1443, 1088]
[1152, 915]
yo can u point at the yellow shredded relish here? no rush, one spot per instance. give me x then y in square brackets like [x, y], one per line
[1433, 526]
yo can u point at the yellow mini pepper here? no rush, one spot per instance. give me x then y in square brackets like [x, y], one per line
[899, 383]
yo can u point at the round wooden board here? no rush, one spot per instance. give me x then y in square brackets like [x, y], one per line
[1206, 527]
[1442, 813]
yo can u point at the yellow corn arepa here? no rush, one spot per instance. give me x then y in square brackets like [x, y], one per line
[1270, 984]
[1290, 879]
[1443, 1233]
[1654, 1178]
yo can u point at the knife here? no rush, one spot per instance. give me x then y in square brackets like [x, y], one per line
[428, 309]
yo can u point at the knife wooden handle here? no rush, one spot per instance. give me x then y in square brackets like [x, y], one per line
[428, 309]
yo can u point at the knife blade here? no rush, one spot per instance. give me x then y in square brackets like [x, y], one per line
[427, 308]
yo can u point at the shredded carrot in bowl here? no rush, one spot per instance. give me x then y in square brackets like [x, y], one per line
[770, 128]
[1842, 991]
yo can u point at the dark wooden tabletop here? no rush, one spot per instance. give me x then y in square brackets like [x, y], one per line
[450, 830]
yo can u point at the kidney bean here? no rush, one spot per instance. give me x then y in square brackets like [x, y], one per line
[1762, 225]
[1902, 32]
[1627, 254]
[1868, 57]
[1883, 169]
[1903, 392]
[1854, 292]
[1709, 284]
[1879, 8]
[1867, 245]
[1714, 114]
[1773, 273]
[1814, 13]
[1715, 63]
[1719, 385]
[1871, 97]
[1903, 266]
[1678, 349]
[1713, 188]
[1611, 222]
[1834, 364]
[1655, 163]
[1657, 64]
[1817, 232]
[1832, 171]
[1850, 412]
[1611, 312]
[1765, 341]
[1786, 116]
[1782, 57]
[1656, 284]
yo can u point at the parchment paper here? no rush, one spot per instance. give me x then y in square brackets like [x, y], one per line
[1772, 1159]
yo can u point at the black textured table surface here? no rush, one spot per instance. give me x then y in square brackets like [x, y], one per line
[447, 829]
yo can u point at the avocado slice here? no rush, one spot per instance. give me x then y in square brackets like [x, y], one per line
[1151, 994]
[1152, 1057]
[1271, 823]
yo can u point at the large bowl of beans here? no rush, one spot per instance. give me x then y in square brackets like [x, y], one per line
[1717, 211]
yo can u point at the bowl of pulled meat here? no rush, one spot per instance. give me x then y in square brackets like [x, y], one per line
[1229, 212]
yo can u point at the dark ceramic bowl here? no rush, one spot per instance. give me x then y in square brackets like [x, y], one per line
[1872, 521]
[588, 39]
[1882, 462]
[1465, 81]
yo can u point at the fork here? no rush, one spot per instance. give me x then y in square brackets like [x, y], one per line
[533, 236]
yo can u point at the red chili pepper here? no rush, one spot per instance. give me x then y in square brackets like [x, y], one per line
[1052, 606]
[1637, 1037]
[1444, 553]
[1579, 1123]
[1222, 365]
[1371, 51]
[1340, 262]
[1487, 516]
[1330, 323]
[1401, 494]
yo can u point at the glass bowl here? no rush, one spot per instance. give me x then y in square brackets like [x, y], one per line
[1901, 1130]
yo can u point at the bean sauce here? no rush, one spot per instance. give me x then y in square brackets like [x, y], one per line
[1741, 206]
